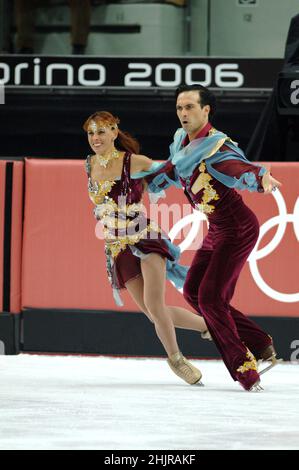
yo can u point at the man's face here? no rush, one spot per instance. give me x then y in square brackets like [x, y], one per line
[192, 115]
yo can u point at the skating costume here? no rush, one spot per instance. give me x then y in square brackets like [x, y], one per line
[208, 169]
[129, 235]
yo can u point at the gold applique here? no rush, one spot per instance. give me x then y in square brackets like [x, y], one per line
[216, 147]
[209, 194]
[248, 365]
[116, 217]
[232, 141]
[212, 131]
[115, 244]
[219, 143]
[99, 189]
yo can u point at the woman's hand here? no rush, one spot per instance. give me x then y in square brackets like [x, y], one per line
[269, 183]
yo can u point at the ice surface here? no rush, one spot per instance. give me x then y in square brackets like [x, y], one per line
[81, 402]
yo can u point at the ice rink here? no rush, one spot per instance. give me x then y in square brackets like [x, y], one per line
[89, 402]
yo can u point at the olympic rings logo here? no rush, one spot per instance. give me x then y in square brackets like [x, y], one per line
[281, 220]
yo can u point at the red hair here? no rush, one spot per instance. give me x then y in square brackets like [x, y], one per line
[124, 140]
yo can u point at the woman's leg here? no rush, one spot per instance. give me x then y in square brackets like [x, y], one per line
[153, 269]
[135, 287]
[139, 291]
[168, 339]
[183, 318]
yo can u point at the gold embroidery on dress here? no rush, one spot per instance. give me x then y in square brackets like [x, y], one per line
[117, 217]
[209, 194]
[116, 243]
[99, 189]
[248, 365]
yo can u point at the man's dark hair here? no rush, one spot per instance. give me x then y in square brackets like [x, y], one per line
[205, 95]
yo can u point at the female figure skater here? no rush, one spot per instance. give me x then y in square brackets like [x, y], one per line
[138, 255]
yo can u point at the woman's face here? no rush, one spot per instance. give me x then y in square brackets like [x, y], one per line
[101, 137]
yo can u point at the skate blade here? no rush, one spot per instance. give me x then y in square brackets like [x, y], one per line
[199, 383]
[256, 389]
[274, 363]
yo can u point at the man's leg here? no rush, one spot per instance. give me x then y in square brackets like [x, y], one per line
[25, 15]
[192, 286]
[195, 274]
[80, 22]
[250, 333]
[214, 295]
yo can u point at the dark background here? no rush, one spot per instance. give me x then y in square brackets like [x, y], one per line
[48, 123]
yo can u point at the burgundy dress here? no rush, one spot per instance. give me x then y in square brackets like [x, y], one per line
[129, 235]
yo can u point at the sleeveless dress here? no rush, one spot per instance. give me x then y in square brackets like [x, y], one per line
[129, 236]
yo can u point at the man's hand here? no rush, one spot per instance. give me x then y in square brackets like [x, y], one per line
[269, 183]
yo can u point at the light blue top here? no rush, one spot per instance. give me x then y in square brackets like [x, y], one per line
[187, 159]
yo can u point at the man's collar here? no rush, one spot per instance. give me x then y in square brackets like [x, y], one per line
[202, 133]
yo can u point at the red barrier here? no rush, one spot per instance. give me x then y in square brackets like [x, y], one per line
[64, 263]
[269, 287]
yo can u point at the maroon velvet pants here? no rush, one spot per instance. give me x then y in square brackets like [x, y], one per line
[211, 281]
